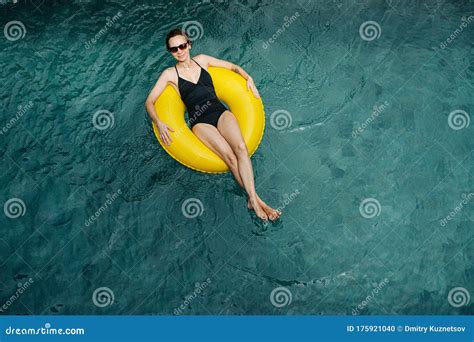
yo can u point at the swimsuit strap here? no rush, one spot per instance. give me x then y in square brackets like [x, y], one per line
[176, 70]
[197, 63]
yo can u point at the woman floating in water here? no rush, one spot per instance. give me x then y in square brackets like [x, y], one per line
[216, 127]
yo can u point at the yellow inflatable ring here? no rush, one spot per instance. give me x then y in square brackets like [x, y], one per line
[186, 148]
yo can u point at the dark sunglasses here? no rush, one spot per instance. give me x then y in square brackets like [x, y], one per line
[181, 47]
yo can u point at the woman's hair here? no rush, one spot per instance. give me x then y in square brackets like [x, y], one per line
[173, 33]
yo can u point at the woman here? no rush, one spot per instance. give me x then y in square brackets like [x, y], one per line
[210, 121]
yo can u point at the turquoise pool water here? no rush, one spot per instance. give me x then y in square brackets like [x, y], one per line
[368, 149]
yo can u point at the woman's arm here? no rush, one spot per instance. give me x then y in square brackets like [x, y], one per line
[160, 85]
[154, 93]
[212, 61]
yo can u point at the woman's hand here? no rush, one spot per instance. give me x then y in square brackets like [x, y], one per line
[164, 134]
[251, 86]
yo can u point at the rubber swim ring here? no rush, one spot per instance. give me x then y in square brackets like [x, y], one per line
[186, 148]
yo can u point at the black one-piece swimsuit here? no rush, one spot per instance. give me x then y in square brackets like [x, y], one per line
[200, 99]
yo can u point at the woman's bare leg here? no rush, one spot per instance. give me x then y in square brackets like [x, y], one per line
[213, 139]
[230, 130]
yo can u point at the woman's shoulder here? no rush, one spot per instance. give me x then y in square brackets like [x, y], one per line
[169, 72]
[201, 58]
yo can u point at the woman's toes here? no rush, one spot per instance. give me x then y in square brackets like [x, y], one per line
[261, 213]
[272, 213]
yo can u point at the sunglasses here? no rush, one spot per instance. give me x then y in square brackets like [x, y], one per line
[183, 46]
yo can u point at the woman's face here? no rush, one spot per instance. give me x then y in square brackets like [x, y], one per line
[180, 55]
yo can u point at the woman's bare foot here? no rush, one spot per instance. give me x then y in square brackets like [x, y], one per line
[273, 214]
[255, 205]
